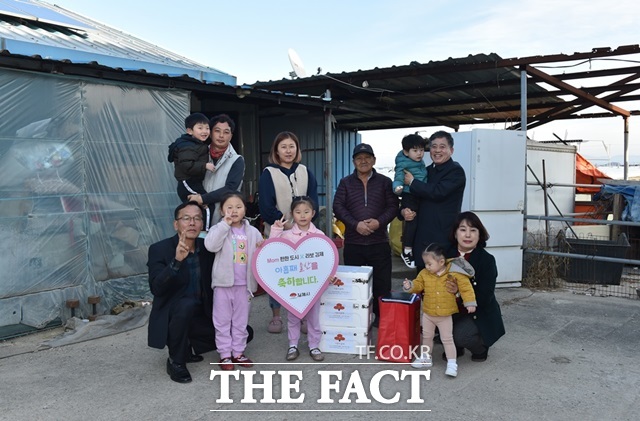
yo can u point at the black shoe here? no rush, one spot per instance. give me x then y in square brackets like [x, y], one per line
[407, 258]
[250, 332]
[480, 357]
[459, 353]
[193, 358]
[178, 372]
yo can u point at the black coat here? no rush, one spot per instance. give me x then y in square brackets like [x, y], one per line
[488, 317]
[440, 202]
[167, 286]
[190, 157]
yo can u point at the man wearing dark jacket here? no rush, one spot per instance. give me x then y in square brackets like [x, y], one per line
[440, 197]
[180, 281]
[366, 204]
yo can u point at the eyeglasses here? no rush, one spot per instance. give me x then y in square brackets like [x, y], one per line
[187, 219]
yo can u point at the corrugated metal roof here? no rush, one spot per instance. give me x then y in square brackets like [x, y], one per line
[31, 27]
[481, 88]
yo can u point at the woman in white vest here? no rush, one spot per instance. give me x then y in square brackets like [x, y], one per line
[282, 180]
[228, 170]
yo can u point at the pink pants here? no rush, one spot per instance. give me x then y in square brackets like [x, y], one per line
[314, 334]
[231, 307]
[445, 326]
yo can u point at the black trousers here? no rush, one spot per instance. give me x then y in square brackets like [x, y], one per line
[466, 334]
[409, 228]
[191, 329]
[379, 257]
[195, 185]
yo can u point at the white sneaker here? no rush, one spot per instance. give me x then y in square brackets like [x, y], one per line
[452, 369]
[423, 361]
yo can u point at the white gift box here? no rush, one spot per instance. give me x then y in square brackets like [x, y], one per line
[353, 283]
[345, 340]
[345, 313]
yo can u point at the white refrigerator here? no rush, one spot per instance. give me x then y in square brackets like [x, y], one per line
[494, 162]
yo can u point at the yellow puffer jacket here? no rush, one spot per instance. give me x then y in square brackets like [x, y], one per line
[437, 301]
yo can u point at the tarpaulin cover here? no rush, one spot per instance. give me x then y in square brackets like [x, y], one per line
[85, 188]
[587, 173]
[631, 194]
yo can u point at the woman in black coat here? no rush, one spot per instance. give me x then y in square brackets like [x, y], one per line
[476, 332]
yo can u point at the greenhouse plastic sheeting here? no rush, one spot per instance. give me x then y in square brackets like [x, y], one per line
[85, 188]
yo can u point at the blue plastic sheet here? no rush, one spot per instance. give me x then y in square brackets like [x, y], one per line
[631, 194]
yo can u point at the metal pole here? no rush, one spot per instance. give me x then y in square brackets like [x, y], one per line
[583, 256]
[523, 128]
[328, 145]
[584, 220]
[531, 183]
[523, 99]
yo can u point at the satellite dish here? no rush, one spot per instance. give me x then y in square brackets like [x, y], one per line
[296, 64]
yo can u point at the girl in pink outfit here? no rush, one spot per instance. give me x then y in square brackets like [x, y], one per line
[302, 210]
[233, 240]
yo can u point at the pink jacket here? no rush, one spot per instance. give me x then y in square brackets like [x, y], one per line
[218, 241]
[295, 234]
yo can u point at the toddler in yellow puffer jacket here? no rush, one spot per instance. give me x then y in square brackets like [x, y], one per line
[438, 305]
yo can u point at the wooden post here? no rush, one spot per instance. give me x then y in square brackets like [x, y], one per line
[618, 207]
[546, 205]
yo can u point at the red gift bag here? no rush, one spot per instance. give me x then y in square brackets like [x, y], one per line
[398, 331]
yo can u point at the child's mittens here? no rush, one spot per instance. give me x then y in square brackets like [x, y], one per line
[407, 284]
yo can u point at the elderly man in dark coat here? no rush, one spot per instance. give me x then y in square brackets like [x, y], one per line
[180, 281]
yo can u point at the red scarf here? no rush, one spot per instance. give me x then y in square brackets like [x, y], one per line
[216, 154]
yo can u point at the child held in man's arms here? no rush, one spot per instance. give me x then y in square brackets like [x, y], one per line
[409, 159]
[190, 156]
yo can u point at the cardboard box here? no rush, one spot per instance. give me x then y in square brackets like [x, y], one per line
[354, 283]
[345, 313]
[345, 340]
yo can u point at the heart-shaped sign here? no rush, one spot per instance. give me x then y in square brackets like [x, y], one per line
[296, 275]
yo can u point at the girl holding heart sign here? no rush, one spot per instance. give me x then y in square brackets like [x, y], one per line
[302, 210]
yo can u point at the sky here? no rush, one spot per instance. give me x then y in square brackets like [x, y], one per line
[250, 40]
